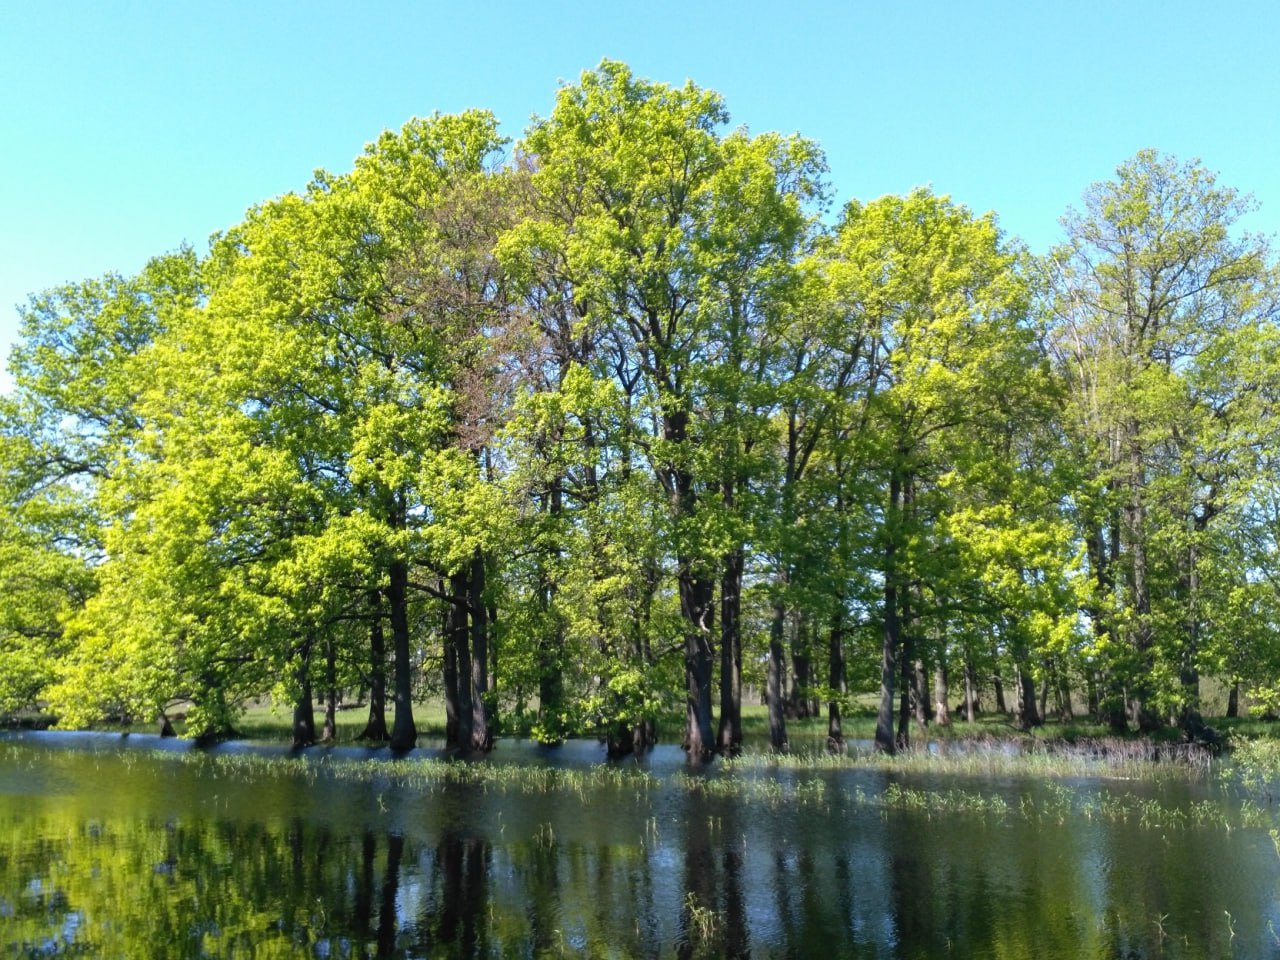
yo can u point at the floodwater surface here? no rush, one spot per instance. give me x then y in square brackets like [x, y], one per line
[135, 847]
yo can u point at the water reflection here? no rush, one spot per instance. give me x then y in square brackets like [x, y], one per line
[134, 854]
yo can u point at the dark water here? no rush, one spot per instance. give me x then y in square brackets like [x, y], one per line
[141, 848]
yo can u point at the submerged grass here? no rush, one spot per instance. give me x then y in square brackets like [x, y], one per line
[1056, 803]
[429, 775]
[1100, 758]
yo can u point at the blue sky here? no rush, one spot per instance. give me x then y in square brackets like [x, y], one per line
[128, 128]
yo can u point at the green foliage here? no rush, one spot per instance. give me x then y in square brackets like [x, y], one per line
[605, 370]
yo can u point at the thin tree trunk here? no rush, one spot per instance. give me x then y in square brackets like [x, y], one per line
[777, 673]
[998, 684]
[1233, 700]
[1066, 711]
[551, 642]
[1189, 718]
[330, 731]
[376, 726]
[885, 741]
[836, 679]
[970, 694]
[1140, 692]
[304, 718]
[907, 676]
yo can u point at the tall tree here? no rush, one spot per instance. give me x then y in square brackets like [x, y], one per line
[1155, 302]
[651, 192]
[946, 308]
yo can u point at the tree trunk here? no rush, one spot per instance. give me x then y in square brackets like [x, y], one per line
[376, 727]
[1140, 691]
[890, 639]
[1189, 718]
[920, 694]
[942, 712]
[730, 733]
[697, 595]
[1001, 706]
[835, 678]
[551, 642]
[970, 694]
[800, 672]
[696, 598]
[1025, 714]
[304, 718]
[1233, 700]
[1062, 693]
[330, 731]
[404, 733]
[457, 689]
[481, 714]
[777, 672]
[907, 675]
[1102, 551]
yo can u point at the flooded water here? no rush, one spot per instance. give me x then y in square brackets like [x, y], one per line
[135, 847]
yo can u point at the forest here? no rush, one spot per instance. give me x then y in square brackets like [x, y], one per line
[623, 420]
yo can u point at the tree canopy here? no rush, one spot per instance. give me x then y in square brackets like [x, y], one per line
[613, 423]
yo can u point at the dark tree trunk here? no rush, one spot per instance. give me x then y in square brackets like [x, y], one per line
[890, 639]
[777, 676]
[1233, 700]
[696, 598]
[1025, 713]
[376, 727]
[801, 673]
[330, 731]
[907, 674]
[998, 684]
[1093, 704]
[390, 891]
[697, 595]
[481, 714]
[1062, 693]
[457, 663]
[730, 732]
[1114, 705]
[304, 717]
[836, 679]
[970, 690]
[404, 733]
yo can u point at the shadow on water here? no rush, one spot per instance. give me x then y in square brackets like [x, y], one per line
[112, 850]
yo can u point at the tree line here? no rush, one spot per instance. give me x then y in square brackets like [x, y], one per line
[575, 431]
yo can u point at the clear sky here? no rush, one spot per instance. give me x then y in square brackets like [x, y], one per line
[127, 128]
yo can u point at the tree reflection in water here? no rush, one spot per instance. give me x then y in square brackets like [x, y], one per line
[153, 858]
